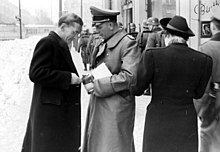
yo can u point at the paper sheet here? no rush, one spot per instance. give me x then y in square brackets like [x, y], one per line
[77, 60]
[101, 71]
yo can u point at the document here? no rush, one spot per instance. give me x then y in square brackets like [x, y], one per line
[77, 60]
[101, 71]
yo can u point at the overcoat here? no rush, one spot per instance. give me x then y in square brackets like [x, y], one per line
[142, 38]
[210, 137]
[83, 42]
[94, 41]
[54, 120]
[155, 39]
[111, 111]
[177, 74]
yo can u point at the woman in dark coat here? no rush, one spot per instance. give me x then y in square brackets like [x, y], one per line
[177, 74]
[54, 120]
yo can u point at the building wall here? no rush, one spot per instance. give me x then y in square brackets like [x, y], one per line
[190, 9]
[140, 12]
[186, 8]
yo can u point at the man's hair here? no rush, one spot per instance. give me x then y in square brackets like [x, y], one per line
[69, 19]
[216, 22]
[170, 33]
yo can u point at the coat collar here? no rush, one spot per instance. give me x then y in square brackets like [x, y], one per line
[111, 42]
[177, 43]
[64, 49]
[59, 40]
[216, 37]
[116, 38]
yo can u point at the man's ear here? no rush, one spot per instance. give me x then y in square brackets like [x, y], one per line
[62, 26]
[111, 26]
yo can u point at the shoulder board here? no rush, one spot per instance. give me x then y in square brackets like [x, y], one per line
[130, 37]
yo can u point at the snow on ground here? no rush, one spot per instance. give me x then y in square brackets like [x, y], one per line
[16, 94]
[15, 91]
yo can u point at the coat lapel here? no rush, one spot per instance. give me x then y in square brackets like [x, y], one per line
[64, 50]
[216, 37]
[115, 39]
[101, 49]
[112, 42]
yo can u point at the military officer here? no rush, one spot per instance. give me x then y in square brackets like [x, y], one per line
[210, 131]
[111, 111]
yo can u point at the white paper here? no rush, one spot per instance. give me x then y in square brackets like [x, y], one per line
[77, 60]
[101, 71]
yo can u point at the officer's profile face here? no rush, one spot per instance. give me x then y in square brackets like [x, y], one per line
[71, 31]
[104, 30]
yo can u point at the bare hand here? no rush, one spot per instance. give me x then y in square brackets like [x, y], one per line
[75, 79]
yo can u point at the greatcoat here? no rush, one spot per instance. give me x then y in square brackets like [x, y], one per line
[54, 119]
[111, 111]
[177, 74]
[210, 136]
[82, 45]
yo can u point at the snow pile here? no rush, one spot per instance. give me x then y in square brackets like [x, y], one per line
[15, 91]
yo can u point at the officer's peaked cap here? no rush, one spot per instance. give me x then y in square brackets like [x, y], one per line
[103, 15]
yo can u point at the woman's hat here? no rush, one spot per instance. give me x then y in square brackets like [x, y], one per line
[177, 26]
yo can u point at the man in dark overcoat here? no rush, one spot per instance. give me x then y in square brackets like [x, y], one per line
[54, 120]
[178, 74]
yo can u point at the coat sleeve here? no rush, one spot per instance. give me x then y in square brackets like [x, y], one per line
[41, 70]
[151, 42]
[204, 79]
[120, 82]
[144, 74]
[201, 102]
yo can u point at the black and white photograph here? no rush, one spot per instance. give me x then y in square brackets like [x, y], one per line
[205, 29]
[109, 76]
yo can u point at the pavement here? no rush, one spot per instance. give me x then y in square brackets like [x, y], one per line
[141, 105]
